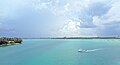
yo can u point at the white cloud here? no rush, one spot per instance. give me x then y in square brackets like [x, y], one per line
[113, 14]
[72, 17]
[111, 17]
[88, 14]
[40, 5]
[71, 28]
[97, 21]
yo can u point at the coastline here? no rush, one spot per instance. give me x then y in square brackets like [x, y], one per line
[9, 41]
[75, 38]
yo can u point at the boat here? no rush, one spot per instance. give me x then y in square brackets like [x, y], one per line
[81, 50]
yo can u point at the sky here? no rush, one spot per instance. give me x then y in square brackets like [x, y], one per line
[59, 18]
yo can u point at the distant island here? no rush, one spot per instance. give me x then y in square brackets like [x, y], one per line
[114, 37]
[86, 38]
[110, 37]
[9, 41]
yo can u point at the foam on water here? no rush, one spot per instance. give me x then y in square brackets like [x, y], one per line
[93, 50]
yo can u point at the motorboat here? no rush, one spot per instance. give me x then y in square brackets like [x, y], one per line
[81, 50]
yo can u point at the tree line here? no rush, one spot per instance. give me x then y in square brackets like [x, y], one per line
[9, 41]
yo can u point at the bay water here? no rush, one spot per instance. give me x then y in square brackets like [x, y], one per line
[62, 52]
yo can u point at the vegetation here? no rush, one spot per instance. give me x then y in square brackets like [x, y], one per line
[87, 38]
[9, 41]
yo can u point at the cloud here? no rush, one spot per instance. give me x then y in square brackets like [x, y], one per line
[113, 14]
[108, 30]
[71, 28]
[87, 13]
[36, 18]
[109, 23]
[0, 25]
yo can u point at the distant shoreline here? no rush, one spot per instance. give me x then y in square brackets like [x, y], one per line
[76, 38]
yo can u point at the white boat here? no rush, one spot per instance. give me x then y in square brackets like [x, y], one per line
[81, 50]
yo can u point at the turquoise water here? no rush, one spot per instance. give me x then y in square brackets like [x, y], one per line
[62, 52]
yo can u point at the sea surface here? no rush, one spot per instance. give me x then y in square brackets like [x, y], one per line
[62, 52]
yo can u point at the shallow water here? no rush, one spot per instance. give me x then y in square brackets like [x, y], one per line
[62, 52]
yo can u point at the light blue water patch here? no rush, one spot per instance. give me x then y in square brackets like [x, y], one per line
[62, 52]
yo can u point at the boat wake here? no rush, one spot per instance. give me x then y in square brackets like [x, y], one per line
[93, 50]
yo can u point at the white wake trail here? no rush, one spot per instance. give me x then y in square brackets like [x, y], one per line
[93, 50]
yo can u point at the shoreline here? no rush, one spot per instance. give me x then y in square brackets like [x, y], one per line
[9, 41]
[75, 38]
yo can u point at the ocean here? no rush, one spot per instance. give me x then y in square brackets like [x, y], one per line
[62, 52]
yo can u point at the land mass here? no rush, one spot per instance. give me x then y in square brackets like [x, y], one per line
[9, 41]
[87, 38]
[115, 37]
